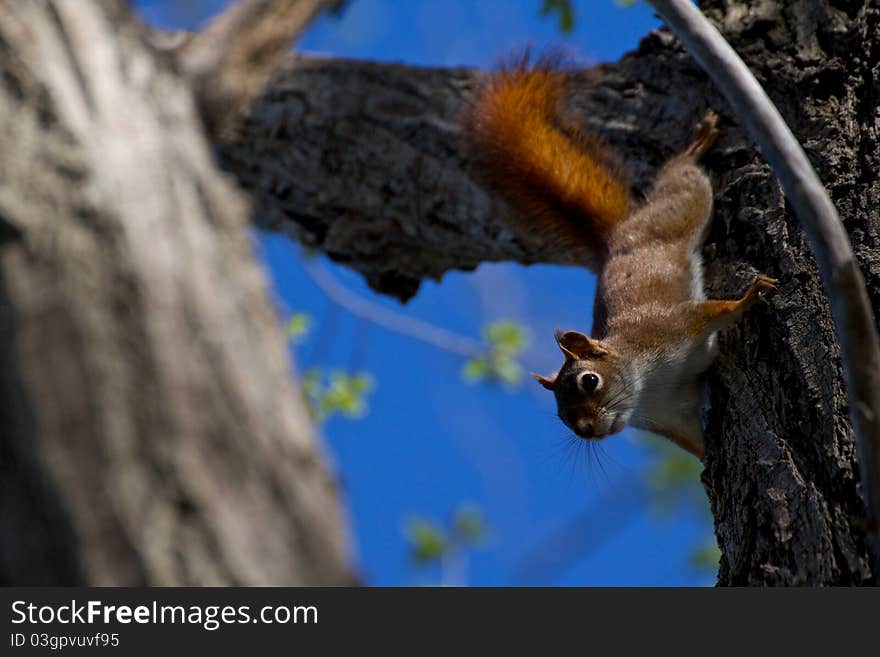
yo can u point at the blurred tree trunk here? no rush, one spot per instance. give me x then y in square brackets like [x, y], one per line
[364, 161]
[150, 431]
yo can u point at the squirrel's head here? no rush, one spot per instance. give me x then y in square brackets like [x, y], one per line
[594, 397]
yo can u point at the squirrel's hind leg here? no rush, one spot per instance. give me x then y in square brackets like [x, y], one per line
[705, 135]
[685, 429]
[679, 204]
[677, 417]
[690, 441]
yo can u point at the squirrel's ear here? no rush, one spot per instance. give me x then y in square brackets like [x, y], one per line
[548, 382]
[577, 346]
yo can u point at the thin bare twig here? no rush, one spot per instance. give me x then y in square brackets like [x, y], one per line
[391, 320]
[231, 60]
[850, 305]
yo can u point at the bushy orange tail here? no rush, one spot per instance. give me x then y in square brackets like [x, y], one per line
[565, 183]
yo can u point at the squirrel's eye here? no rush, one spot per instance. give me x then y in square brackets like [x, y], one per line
[589, 381]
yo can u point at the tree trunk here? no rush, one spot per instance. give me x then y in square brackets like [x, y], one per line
[365, 162]
[151, 431]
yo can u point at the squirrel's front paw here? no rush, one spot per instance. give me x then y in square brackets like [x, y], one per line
[761, 288]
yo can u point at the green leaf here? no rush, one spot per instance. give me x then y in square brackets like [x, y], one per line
[508, 371]
[343, 394]
[446, 546]
[506, 336]
[428, 543]
[673, 477]
[468, 524]
[296, 328]
[675, 470]
[564, 11]
[347, 394]
[706, 557]
[505, 339]
[476, 369]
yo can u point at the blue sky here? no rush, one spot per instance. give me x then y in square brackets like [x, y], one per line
[430, 441]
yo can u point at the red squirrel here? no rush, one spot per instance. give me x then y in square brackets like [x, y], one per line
[653, 330]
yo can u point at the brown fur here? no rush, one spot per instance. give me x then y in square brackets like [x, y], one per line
[653, 330]
[565, 183]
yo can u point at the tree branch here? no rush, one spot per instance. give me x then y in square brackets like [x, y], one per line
[365, 161]
[230, 60]
[851, 308]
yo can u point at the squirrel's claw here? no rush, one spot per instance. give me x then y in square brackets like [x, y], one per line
[761, 288]
[704, 135]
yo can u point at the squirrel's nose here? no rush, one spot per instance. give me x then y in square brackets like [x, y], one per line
[584, 428]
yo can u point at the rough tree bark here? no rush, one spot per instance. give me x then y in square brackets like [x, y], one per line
[140, 356]
[150, 431]
[364, 161]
